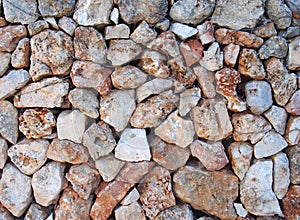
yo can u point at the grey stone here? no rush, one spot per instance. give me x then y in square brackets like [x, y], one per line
[37, 27]
[294, 162]
[143, 33]
[277, 116]
[292, 132]
[163, 24]
[9, 122]
[67, 24]
[3, 152]
[273, 47]
[293, 62]
[212, 59]
[132, 196]
[5, 214]
[206, 32]
[188, 100]
[183, 31]
[279, 13]
[181, 211]
[36, 211]
[49, 8]
[266, 30]
[130, 212]
[5, 61]
[20, 57]
[117, 32]
[114, 15]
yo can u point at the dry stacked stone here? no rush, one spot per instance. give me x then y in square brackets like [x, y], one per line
[152, 109]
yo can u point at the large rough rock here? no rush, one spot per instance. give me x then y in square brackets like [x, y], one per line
[130, 212]
[213, 192]
[273, 47]
[133, 146]
[29, 155]
[23, 12]
[133, 11]
[48, 182]
[180, 212]
[238, 14]
[15, 190]
[279, 13]
[51, 54]
[191, 11]
[8, 122]
[117, 107]
[49, 8]
[3, 152]
[86, 74]
[156, 191]
[89, 45]
[293, 62]
[176, 130]
[67, 24]
[290, 202]
[72, 206]
[12, 81]
[263, 201]
[294, 161]
[67, 151]
[215, 112]
[94, 12]
[10, 36]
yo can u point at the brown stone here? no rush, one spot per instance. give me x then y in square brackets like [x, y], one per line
[10, 36]
[67, 151]
[20, 57]
[231, 52]
[212, 192]
[242, 38]
[191, 51]
[291, 204]
[294, 161]
[86, 74]
[206, 80]
[156, 191]
[293, 106]
[212, 59]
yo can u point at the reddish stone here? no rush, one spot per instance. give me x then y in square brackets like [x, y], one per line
[293, 106]
[227, 79]
[291, 204]
[231, 53]
[10, 36]
[192, 51]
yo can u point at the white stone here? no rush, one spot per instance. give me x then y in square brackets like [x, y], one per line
[176, 130]
[5, 61]
[52, 22]
[131, 197]
[188, 100]
[212, 59]
[206, 80]
[3, 152]
[15, 190]
[206, 33]
[240, 210]
[163, 25]
[292, 134]
[9, 122]
[114, 15]
[143, 33]
[183, 31]
[117, 32]
[132, 211]
[281, 174]
[269, 145]
[277, 116]
[67, 24]
[256, 190]
[258, 96]
[133, 145]
[71, 125]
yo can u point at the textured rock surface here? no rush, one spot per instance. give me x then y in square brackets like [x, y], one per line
[290, 204]
[8, 122]
[56, 9]
[231, 52]
[206, 80]
[294, 159]
[206, 32]
[293, 105]
[20, 57]
[36, 211]
[183, 31]
[192, 51]
[143, 33]
[188, 100]
[197, 186]
[10, 36]
[5, 58]
[293, 53]
[132, 197]
[131, 211]
[117, 32]
[3, 152]
[180, 211]
[212, 59]
[273, 47]
[277, 116]
[292, 132]
[279, 13]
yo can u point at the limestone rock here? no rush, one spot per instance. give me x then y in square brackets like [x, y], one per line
[67, 151]
[216, 113]
[238, 14]
[36, 211]
[156, 191]
[273, 47]
[191, 11]
[176, 130]
[117, 32]
[86, 101]
[270, 144]
[131, 212]
[37, 27]
[12, 81]
[293, 53]
[266, 30]
[143, 33]
[290, 205]
[134, 11]
[15, 190]
[169, 156]
[48, 182]
[89, 45]
[36, 123]
[20, 57]
[294, 161]
[206, 80]
[180, 212]
[8, 122]
[3, 153]
[277, 116]
[133, 145]
[84, 179]
[56, 9]
[281, 174]
[249, 127]
[121, 52]
[128, 77]
[240, 154]
[48, 93]
[132, 197]
[86, 74]
[183, 31]
[191, 51]
[155, 64]
[71, 206]
[68, 25]
[258, 96]
[211, 155]
[154, 111]
[283, 83]
[292, 132]
[5, 61]
[279, 13]
[117, 107]
[109, 167]
[197, 186]
[10, 36]
[188, 100]
[23, 12]
[29, 155]
[250, 65]
[294, 104]
[206, 32]
[242, 38]
[263, 201]
[94, 12]
[99, 140]
[212, 59]
[51, 54]
[231, 52]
